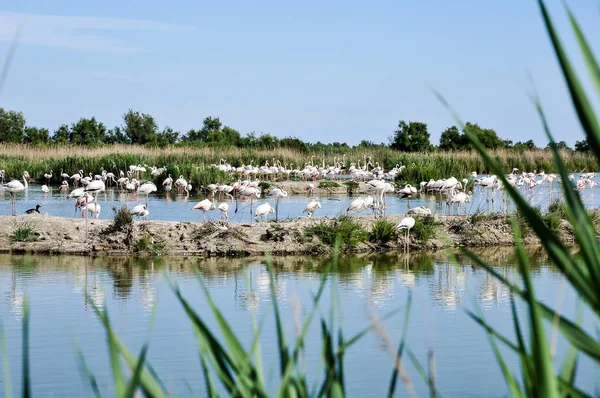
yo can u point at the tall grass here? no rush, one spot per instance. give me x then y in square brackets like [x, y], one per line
[14, 159]
[538, 375]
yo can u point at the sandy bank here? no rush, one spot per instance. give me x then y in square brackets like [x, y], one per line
[68, 236]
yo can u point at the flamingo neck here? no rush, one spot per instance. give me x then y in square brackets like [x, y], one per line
[25, 182]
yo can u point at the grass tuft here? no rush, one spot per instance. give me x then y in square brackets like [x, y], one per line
[24, 231]
[382, 231]
[349, 231]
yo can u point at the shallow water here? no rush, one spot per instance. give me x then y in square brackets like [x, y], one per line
[135, 289]
[173, 207]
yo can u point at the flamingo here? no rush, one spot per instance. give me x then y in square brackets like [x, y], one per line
[64, 186]
[263, 210]
[224, 207]
[406, 223]
[356, 205]
[277, 193]
[94, 208]
[45, 189]
[140, 211]
[204, 205]
[311, 207]
[146, 188]
[48, 176]
[419, 210]
[13, 187]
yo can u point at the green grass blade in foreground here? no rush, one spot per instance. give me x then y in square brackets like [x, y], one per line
[149, 384]
[586, 50]
[585, 234]
[87, 372]
[527, 369]
[137, 374]
[585, 112]
[115, 360]
[247, 377]
[398, 359]
[555, 248]
[569, 366]
[5, 364]
[546, 380]
[284, 355]
[208, 343]
[210, 387]
[26, 369]
[576, 335]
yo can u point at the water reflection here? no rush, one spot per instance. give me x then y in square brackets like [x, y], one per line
[376, 278]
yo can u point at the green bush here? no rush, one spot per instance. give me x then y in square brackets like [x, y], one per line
[24, 231]
[382, 231]
[122, 218]
[424, 228]
[328, 184]
[345, 228]
[147, 244]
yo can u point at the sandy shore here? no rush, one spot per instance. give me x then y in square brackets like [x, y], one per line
[62, 235]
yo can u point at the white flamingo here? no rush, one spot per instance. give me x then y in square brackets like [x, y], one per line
[224, 207]
[263, 210]
[13, 187]
[204, 205]
[311, 207]
[406, 224]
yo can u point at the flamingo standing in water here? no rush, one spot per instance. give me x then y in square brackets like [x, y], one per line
[277, 193]
[263, 211]
[311, 207]
[224, 207]
[406, 224]
[13, 187]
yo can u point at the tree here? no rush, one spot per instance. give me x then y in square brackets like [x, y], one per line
[12, 126]
[411, 137]
[117, 136]
[37, 136]
[167, 137]
[452, 139]
[582, 146]
[61, 135]
[488, 137]
[559, 145]
[139, 128]
[87, 132]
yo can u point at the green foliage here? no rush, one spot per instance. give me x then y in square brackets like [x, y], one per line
[451, 139]
[12, 126]
[122, 219]
[264, 186]
[382, 231]
[351, 186]
[139, 128]
[328, 184]
[345, 229]
[411, 137]
[582, 146]
[147, 244]
[425, 227]
[537, 374]
[24, 231]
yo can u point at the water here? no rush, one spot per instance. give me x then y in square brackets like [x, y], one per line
[171, 207]
[135, 289]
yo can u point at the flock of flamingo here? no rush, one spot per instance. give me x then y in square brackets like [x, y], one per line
[451, 191]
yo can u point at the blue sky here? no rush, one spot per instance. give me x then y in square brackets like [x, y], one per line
[329, 71]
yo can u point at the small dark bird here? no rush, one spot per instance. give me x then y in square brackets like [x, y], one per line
[36, 210]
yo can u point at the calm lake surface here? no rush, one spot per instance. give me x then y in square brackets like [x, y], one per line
[135, 289]
[173, 207]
